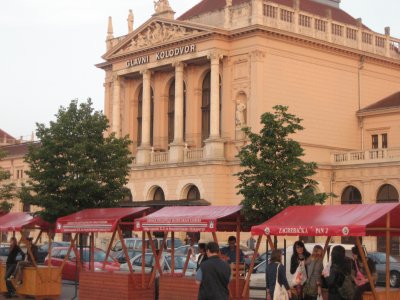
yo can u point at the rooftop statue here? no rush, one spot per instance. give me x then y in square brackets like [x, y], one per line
[161, 6]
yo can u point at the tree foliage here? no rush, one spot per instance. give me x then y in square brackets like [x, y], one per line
[75, 166]
[7, 189]
[274, 176]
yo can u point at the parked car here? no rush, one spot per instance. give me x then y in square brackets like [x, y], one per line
[43, 250]
[5, 249]
[183, 250]
[165, 262]
[121, 258]
[69, 271]
[379, 258]
[136, 244]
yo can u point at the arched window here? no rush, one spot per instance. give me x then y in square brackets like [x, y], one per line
[351, 195]
[193, 193]
[26, 207]
[158, 195]
[387, 193]
[171, 111]
[140, 116]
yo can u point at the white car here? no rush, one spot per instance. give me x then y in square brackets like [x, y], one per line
[165, 262]
[257, 279]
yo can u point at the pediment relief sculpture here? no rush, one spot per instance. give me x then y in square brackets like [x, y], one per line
[155, 33]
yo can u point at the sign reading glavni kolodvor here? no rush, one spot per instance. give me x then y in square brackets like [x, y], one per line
[164, 54]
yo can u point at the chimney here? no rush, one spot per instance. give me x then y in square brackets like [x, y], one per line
[333, 3]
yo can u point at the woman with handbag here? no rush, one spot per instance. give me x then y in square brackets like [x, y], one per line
[275, 277]
[297, 267]
[360, 274]
[312, 288]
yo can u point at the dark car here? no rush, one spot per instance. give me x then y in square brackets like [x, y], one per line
[379, 259]
[43, 250]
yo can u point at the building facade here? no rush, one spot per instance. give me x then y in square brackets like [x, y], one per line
[182, 89]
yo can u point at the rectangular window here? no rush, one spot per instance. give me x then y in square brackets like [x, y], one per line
[270, 11]
[384, 140]
[374, 141]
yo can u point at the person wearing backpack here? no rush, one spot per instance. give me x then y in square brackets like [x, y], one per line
[360, 274]
[339, 280]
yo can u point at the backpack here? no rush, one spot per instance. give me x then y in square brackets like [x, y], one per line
[346, 290]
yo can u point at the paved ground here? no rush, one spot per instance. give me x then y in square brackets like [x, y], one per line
[68, 292]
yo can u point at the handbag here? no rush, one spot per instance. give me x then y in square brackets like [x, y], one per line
[308, 289]
[360, 279]
[300, 276]
[280, 292]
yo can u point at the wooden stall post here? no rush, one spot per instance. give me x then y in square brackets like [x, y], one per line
[38, 237]
[143, 255]
[188, 257]
[270, 242]
[157, 261]
[173, 253]
[237, 254]
[121, 238]
[92, 251]
[214, 234]
[247, 283]
[364, 260]
[387, 255]
[109, 249]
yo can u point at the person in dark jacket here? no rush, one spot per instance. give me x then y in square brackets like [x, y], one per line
[274, 269]
[339, 269]
[11, 264]
[213, 276]
[299, 256]
[202, 256]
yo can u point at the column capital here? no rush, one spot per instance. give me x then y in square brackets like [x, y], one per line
[179, 65]
[215, 56]
[116, 78]
[146, 72]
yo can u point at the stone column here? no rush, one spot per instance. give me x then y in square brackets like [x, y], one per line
[214, 99]
[214, 144]
[143, 153]
[177, 146]
[116, 106]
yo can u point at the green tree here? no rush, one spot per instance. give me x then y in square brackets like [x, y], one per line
[7, 190]
[75, 166]
[274, 176]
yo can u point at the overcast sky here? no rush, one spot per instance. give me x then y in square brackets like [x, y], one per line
[49, 47]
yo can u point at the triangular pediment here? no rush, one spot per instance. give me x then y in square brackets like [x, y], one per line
[155, 32]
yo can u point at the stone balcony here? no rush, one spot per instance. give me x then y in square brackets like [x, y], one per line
[366, 157]
[325, 29]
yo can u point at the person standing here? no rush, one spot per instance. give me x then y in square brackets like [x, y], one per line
[11, 264]
[229, 252]
[26, 263]
[275, 272]
[338, 280]
[213, 276]
[299, 256]
[314, 265]
[360, 276]
[202, 255]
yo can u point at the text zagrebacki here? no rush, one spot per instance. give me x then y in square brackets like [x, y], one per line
[173, 52]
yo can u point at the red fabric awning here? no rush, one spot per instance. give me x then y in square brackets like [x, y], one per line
[190, 219]
[16, 221]
[337, 220]
[97, 219]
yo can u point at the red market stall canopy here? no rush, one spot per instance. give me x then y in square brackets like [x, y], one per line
[191, 219]
[338, 220]
[17, 221]
[97, 219]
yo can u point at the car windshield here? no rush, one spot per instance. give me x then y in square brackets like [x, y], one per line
[177, 243]
[180, 262]
[381, 258]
